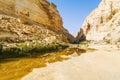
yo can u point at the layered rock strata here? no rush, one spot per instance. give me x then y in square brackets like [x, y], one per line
[32, 22]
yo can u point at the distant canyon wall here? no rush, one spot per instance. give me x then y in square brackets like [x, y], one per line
[103, 23]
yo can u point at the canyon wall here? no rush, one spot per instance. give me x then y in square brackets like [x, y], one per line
[103, 24]
[31, 21]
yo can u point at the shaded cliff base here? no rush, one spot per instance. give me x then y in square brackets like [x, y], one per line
[80, 37]
[109, 38]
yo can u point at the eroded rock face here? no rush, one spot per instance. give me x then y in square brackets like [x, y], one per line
[103, 23]
[39, 11]
[31, 20]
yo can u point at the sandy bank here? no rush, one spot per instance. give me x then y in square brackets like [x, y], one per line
[103, 64]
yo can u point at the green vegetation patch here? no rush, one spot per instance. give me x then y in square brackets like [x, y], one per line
[85, 42]
[28, 50]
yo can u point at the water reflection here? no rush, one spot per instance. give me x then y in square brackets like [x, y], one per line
[15, 68]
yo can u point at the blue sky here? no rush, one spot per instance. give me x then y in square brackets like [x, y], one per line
[74, 12]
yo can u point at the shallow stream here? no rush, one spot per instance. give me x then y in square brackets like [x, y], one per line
[16, 68]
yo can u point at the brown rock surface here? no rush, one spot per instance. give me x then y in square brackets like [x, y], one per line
[30, 20]
[103, 23]
[39, 11]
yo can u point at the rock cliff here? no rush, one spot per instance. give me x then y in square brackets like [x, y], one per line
[103, 23]
[30, 21]
[39, 11]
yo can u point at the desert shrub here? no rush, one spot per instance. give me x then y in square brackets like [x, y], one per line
[118, 40]
[84, 43]
[48, 48]
[107, 41]
[1, 47]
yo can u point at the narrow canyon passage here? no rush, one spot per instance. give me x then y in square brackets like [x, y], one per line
[35, 44]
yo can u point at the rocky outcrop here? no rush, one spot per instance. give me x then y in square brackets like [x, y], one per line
[103, 23]
[31, 21]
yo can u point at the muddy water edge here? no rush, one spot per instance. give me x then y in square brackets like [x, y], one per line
[16, 68]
